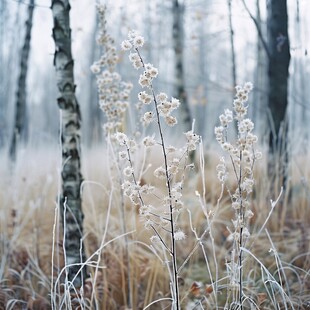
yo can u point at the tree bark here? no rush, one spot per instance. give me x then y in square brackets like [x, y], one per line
[178, 47]
[20, 126]
[70, 139]
[279, 59]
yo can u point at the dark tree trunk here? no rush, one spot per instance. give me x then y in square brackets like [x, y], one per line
[178, 47]
[70, 138]
[279, 59]
[20, 126]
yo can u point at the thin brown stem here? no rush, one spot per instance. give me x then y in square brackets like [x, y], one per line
[173, 245]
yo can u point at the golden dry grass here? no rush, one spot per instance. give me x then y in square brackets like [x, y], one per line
[28, 195]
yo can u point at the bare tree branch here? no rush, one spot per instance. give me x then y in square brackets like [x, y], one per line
[259, 30]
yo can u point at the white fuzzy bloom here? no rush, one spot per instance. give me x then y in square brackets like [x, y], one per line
[127, 188]
[246, 154]
[247, 185]
[173, 170]
[175, 103]
[238, 88]
[122, 155]
[153, 72]
[128, 171]
[179, 235]
[138, 41]
[160, 173]
[192, 140]
[132, 145]
[134, 57]
[149, 141]
[246, 125]
[249, 214]
[219, 130]
[121, 138]
[126, 45]
[148, 117]
[164, 108]
[132, 34]
[219, 134]
[221, 174]
[226, 146]
[137, 64]
[223, 120]
[148, 66]
[221, 170]
[95, 68]
[170, 120]
[144, 97]
[144, 81]
[251, 139]
[134, 198]
[248, 86]
[162, 97]
[229, 115]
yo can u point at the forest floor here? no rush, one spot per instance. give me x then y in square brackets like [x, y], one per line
[28, 206]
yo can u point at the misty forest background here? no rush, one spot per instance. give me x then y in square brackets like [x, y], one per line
[202, 49]
[211, 66]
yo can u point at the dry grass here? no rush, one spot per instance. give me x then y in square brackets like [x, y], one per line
[28, 195]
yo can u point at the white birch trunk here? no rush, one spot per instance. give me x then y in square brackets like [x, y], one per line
[70, 138]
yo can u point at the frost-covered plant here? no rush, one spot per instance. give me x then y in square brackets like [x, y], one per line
[242, 156]
[114, 101]
[113, 92]
[160, 217]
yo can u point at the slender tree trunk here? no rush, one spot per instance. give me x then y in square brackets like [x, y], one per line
[20, 125]
[233, 54]
[301, 81]
[201, 107]
[71, 204]
[94, 125]
[3, 105]
[178, 47]
[260, 79]
[232, 47]
[279, 59]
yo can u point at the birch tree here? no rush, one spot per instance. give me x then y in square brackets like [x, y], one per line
[70, 202]
[20, 123]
